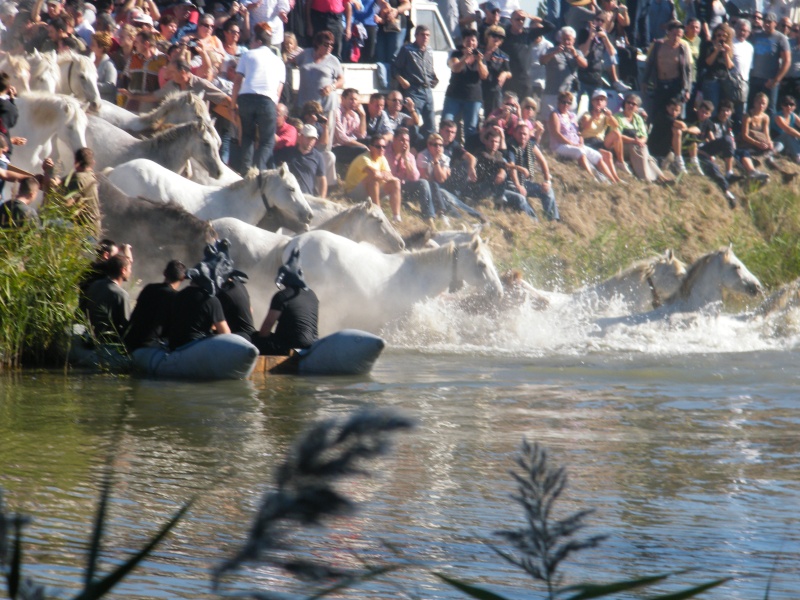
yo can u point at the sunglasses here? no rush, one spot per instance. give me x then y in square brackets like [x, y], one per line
[379, 146]
[631, 103]
[206, 25]
[436, 144]
[564, 102]
[497, 36]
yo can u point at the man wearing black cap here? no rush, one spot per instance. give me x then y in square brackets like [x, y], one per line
[669, 68]
[772, 58]
[295, 309]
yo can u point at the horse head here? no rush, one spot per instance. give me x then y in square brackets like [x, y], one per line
[45, 72]
[79, 78]
[204, 146]
[735, 276]
[281, 191]
[473, 264]
[665, 276]
[18, 69]
[182, 107]
[376, 229]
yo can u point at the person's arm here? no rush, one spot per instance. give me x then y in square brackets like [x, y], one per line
[237, 86]
[548, 56]
[472, 162]
[783, 123]
[348, 21]
[539, 156]
[398, 67]
[362, 125]
[322, 186]
[555, 130]
[512, 173]
[269, 322]
[587, 43]
[585, 122]
[786, 62]
[580, 59]
[153, 10]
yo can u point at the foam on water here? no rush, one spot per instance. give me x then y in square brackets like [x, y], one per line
[568, 328]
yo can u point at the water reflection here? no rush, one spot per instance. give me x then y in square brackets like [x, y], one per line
[689, 461]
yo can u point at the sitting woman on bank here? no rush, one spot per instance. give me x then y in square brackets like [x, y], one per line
[633, 132]
[755, 130]
[566, 141]
[600, 130]
[789, 124]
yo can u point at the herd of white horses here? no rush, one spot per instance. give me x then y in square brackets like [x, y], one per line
[164, 189]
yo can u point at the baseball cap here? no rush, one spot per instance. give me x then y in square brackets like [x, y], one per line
[675, 24]
[143, 19]
[309, 130]
[599, 94]
[490, 7]
[770, 17]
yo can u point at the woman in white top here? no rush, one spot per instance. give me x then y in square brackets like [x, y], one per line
[260, 76]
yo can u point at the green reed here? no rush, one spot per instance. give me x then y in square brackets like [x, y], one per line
[40, 268]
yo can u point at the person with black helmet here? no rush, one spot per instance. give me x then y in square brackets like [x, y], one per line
[295, 309]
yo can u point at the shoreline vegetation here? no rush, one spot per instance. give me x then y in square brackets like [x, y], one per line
[307, 494]
[603, 229]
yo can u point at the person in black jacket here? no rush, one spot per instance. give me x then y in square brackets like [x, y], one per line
[150, 317]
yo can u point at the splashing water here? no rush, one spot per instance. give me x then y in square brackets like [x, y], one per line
[572, 328]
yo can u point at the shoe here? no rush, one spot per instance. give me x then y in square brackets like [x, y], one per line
[731, 199]
[445, 221]
[694, 165]
[621, 87]
[730, 175]
[679, 167]
[398, 218]
[757, 175]
[770, 162]
[623, 166]
[600, 178]
[666, 162]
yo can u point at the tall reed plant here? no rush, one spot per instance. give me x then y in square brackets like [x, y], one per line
[40, 268]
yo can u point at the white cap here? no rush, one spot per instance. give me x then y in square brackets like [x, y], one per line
[308, 130]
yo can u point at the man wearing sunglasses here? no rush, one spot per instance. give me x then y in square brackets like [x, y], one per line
[517, 46]
[370, 177]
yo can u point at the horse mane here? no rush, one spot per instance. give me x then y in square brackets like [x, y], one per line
[46, 62]
[46, 107]
[345, 214]
[693, 274]
[435, 255]
[252, 173]
[418, 239]
[18, 62]
[641, 269]
[71, 56]
[158, 114]
[170, 135]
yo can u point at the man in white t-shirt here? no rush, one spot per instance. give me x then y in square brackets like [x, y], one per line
[742, 61]
[260, 76]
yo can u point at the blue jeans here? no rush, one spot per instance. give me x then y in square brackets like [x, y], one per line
[420, 191]
[423, 102]
[712, 91]
[791, 144]
[516, 201]
[469, 109]
[548, 199]
[257, 113]
[447, 202]
[388, 45]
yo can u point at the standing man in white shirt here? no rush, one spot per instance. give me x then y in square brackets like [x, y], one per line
[742, 61]
[260, 76]
[274, 12]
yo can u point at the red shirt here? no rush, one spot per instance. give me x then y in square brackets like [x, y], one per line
[329, 6]
[285, 137]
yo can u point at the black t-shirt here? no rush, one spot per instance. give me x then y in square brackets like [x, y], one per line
[518, 48]
[593, 73]
[660, 140]
[297, 325]
[466, 84]
[235, 302]
[15, 213]
[151, 315]
[193, 314]
[109, 310]
[305, 167]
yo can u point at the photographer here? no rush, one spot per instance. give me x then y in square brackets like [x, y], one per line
[596, 45]
[401, 112]
[561, 68]
[464, 95]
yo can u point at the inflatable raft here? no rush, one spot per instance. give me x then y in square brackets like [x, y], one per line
[346, 352]
[224, 356]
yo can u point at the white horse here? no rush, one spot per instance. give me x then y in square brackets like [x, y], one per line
[43, 117]
[175, 109]
[782, 300]
[643, 286]
[18, 69]
[171, 148]
[708, 276]
[78, 77]
[365, 222]
[248, 199]
[324, 210]
[359, 286]
[45, 72]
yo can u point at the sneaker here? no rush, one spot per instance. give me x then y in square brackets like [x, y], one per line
[445, 221]
[621, 87]
[731, 199]
[398, 218]
[600, 178]
[694, 165]
[730, 175]
[757, 175]
[679, 167]
[623, 166]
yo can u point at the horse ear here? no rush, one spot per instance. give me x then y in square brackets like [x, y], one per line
[36, 53]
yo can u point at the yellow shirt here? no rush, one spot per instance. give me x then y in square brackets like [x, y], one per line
[358, 170]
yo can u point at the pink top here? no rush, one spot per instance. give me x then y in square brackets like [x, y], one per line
[347, 124]
[285, 136]
[568, 127]
[398, 165]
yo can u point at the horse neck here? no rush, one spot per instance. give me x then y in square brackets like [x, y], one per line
[702, 284]
[170, 150]
[428, 272]
[340, 223]
[241, 200]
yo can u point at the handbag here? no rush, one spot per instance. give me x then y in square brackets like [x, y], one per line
[734, 87]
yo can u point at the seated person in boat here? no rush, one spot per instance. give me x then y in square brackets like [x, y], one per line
[153, 307]
[295, 309]
[195, 312]
[108, 306]
[236, 306]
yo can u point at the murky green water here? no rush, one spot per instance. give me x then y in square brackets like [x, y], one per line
[691, 461]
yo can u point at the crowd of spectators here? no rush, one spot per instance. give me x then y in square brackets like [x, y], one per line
[657, 94]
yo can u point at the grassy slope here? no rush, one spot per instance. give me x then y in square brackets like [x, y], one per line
[605, 228]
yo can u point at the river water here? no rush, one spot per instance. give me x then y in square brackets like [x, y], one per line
[682, 435]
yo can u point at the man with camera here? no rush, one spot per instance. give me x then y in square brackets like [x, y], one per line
[517, 46]
[561, 69]
[401, 112]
